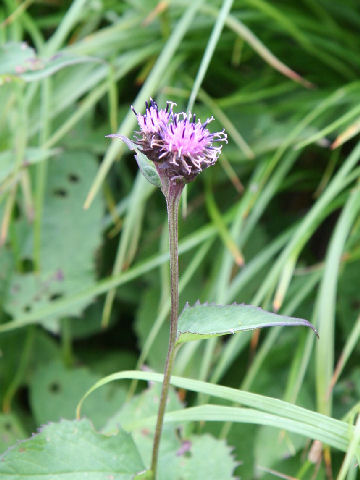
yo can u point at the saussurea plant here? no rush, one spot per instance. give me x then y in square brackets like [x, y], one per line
[179, 147]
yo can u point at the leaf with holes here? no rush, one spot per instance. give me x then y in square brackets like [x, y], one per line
[32, 155]
[69, 238]
[72, 449]
[207, 321]
[55, 391]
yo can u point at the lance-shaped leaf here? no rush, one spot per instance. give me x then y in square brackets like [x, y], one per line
[206, 321]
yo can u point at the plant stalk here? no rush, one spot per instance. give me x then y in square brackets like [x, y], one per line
[172, 192]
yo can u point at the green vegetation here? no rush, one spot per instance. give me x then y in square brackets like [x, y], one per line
[84, 276]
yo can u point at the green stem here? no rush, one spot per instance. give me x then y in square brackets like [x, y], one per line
[172, 191]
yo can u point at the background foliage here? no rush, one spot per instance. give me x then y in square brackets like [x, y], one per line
[85, 293]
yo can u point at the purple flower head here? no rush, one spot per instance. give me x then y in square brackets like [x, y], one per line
[154, 118]
[188, 146]
[180, 146]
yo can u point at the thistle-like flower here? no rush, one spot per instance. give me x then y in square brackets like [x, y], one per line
[179, 145]
[180, 148]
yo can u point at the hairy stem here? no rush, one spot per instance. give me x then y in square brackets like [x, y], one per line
[172, 192]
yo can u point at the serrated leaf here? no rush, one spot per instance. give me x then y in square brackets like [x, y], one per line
[72, 449]
[146, 166]
[200, 464]
[207, 321]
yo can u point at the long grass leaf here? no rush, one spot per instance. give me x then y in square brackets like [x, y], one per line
[327, 302]
[334, 432]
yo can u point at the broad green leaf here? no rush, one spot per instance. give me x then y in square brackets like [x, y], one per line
[272, 446]
[55, 391]
[206, 321]
[208, 458]
[69, 239]
[72, 449]
[42, 349]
